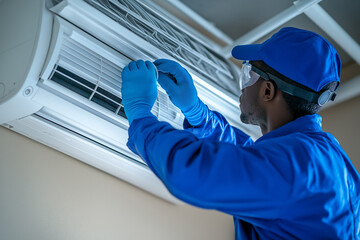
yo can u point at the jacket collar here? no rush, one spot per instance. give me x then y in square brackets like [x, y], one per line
[308, 123]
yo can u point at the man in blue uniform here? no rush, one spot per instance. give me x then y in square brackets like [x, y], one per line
[294, 182]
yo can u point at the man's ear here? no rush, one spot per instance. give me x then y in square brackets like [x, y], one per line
[268, 91]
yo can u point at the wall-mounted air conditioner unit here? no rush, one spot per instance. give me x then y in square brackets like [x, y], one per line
[60, 76]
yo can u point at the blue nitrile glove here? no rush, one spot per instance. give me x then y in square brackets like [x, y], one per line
[179, 85]
[139, 89]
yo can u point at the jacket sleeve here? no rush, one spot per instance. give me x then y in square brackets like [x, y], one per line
[215, 127]
[210, 174]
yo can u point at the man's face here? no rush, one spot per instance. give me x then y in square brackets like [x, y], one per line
[249, 104]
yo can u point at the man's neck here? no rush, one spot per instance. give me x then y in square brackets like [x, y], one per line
[275, 118]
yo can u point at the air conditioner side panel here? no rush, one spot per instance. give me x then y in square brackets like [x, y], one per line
[24, 38]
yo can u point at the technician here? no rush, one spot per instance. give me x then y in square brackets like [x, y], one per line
[294, 182]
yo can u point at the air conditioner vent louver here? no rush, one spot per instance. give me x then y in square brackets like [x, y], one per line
[88, 90]
[98, 80]
[169, 38]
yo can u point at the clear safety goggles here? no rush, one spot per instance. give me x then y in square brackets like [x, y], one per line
[247, 76]
[250, 74]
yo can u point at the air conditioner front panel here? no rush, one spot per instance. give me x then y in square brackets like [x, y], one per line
[25, 37]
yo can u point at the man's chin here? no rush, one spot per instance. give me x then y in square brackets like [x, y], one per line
[245, 119]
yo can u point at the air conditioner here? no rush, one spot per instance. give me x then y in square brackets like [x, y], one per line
[60, 76]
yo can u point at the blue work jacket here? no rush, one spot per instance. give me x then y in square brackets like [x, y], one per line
[295, 182]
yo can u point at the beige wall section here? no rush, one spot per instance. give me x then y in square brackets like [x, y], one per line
[47, 195]
[343, 122]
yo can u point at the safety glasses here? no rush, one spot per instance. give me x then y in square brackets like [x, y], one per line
[249, 75]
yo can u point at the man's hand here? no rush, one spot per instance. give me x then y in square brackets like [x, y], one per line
[139, 89]
[179, 85]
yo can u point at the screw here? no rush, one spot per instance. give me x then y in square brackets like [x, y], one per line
[28, 91]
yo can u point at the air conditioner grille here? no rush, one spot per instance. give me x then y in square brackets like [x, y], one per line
[88, 90]
[168, 37]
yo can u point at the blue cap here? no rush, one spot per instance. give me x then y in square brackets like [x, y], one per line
[303, 56]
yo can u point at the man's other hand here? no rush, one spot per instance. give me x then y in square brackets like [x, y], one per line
[177, 83]
[139, 89]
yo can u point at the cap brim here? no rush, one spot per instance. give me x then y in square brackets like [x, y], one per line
[247, 52]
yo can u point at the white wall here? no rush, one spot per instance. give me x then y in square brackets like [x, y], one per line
[47, 195]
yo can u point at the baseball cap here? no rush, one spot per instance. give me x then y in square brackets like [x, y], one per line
[302, 56]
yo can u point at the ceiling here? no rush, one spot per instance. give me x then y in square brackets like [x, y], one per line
[237, 17]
